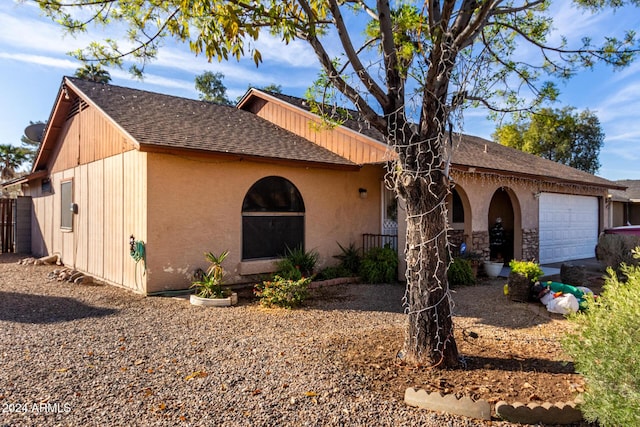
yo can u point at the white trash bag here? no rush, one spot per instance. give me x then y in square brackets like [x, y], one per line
[563, 304]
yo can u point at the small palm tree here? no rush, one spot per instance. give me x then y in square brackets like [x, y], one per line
[93, 73]
[11, 158]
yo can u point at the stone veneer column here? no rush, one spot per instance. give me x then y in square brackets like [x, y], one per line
[480, 243]
[530, 244]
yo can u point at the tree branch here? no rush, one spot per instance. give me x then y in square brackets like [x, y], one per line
[353, 57]
[394, 81]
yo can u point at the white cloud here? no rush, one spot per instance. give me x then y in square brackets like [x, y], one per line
[295, 54]
[26, 33]
[66, 64]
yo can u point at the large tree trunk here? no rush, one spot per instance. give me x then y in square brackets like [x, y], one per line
[422, 181]
[429, 339]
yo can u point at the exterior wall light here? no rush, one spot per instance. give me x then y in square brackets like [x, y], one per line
[363, 193]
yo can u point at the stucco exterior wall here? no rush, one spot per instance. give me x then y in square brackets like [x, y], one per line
[195, 206]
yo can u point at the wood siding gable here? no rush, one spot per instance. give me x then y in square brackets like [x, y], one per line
[86, 136]
[345, 142]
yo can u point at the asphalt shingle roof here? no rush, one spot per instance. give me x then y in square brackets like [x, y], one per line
[158, 120]
[475, 152]
[632, 193]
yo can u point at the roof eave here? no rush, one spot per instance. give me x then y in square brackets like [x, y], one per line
[153, 148]
[473, 169]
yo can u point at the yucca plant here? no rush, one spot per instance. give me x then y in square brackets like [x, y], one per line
[210, 284]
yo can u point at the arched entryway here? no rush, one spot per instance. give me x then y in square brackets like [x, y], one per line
[505, 229]
[460, 220]
[272, 219]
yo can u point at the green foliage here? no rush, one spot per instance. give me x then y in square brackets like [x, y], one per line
[288, 270]
[527, 268]
[350, 259]
[566, 137]
[272, 87]
[11, 158]
[605, 350]
[282, 292]
[297, 263]
[211, 88]
[93, 73]
[379, 265]
[209, 284]
[472, 256]
[615, 249]
[460, 273]
[332, 272]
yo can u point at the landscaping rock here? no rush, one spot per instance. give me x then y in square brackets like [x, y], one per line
[574, 275]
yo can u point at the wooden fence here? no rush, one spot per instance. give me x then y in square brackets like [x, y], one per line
[6, 225]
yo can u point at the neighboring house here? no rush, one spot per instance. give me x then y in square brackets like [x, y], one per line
[624, 205]
[186, 177]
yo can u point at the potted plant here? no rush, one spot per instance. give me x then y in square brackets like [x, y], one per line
[209, 285]
[474, 258]
[521, 278]
[493, 268]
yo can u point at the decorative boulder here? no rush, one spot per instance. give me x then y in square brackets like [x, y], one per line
[573, 275]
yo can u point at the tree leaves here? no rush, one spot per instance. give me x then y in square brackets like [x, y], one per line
[561, 135]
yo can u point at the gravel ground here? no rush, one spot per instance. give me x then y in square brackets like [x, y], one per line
[99, 355]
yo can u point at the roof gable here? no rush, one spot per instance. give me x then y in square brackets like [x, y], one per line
[159, 122]
[354, 139]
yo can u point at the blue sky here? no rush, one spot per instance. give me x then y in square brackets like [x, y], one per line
[33, 61]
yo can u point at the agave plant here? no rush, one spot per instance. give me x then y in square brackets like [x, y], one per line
[210, 283]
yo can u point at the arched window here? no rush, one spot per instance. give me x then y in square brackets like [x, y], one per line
[272, 219]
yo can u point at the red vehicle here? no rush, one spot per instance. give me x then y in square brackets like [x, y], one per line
[630, 230]
[626, 230]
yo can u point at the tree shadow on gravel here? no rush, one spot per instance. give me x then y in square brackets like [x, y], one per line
[10, 258]
[360, 297]
[527, 364]
[44, 309]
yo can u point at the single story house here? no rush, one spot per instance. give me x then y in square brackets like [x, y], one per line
[181, 177]
[624, 204]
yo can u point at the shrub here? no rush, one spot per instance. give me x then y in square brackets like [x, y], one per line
[282, 292]
[460, 273]
[350, 259]
[332, 272]
[297, 264]
[288, 270]
[605, 350]
[615, 249]
[527, 268]
[379, 265]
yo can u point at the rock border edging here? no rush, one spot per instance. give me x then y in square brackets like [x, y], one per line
[333, 282]
[532, 413]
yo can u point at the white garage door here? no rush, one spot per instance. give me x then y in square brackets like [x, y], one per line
[568, 227]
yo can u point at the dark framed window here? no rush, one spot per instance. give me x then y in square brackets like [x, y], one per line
[66, 200]
[272, 219]
[457, 208]
[45, 186]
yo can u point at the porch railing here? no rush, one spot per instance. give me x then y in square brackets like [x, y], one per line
[379, 241]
